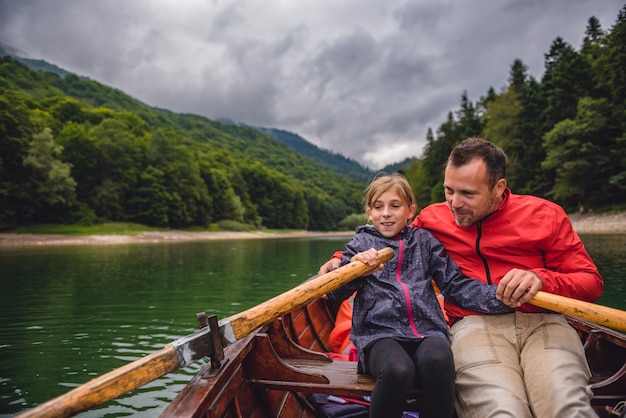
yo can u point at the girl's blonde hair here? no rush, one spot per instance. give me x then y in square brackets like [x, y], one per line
[384, 182]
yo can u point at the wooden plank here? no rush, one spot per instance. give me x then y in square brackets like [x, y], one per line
[342, 376]
[321, 323]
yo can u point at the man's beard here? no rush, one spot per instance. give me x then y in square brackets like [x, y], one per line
[475, 216]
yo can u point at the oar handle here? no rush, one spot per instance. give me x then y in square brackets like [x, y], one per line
[245, 322]
[598, 314]
[109, 386]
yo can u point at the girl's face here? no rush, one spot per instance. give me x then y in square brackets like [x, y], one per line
[390, 213]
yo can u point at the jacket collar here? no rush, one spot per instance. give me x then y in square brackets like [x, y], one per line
[503, 205]
[370, 228]
[505, 199]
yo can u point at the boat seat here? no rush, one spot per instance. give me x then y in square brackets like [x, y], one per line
[282, 365]
[339, 378]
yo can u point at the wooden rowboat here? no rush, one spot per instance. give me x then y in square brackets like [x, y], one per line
[273, 371]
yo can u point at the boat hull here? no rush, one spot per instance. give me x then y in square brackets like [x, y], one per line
[273, 371]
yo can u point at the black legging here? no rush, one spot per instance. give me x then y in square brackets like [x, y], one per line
[398, 366]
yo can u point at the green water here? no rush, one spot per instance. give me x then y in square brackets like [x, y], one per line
[69, 314]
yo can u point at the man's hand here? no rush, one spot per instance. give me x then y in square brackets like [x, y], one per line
[518, 287]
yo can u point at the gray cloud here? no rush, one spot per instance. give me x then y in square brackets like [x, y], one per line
[364, 78]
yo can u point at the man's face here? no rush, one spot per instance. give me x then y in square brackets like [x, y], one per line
[468, 193]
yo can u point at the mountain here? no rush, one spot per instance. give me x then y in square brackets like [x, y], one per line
[35, 64]
[398, 167]
[338, 163]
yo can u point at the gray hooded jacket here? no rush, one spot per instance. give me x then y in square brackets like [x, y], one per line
[399, 302]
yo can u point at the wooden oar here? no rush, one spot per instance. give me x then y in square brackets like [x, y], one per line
[186, 350]
[598, 314]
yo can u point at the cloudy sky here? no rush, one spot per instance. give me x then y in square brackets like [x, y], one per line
[364, 78]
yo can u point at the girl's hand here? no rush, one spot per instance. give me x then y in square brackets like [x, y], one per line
[368, 257]
[329, 266]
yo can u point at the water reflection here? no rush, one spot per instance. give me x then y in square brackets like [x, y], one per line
[609, 253]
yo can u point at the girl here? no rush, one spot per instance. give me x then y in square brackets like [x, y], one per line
[398, 326]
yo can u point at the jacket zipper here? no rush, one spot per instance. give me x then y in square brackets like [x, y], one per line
[405, 289]
[479, 227]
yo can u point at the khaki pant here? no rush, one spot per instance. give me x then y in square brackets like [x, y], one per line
[520, 365]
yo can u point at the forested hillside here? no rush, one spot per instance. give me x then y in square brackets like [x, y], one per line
[565, 134]
[73, 150]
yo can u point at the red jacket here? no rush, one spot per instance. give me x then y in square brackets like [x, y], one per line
[526, 232]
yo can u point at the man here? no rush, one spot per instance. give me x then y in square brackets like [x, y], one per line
[528, 363]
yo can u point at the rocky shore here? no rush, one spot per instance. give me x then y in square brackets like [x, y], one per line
[583, 224]
[599, 224]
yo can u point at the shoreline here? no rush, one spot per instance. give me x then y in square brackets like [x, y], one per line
[583, 224]
[14, 240]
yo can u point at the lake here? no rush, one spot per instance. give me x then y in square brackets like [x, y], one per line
[72, 313]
